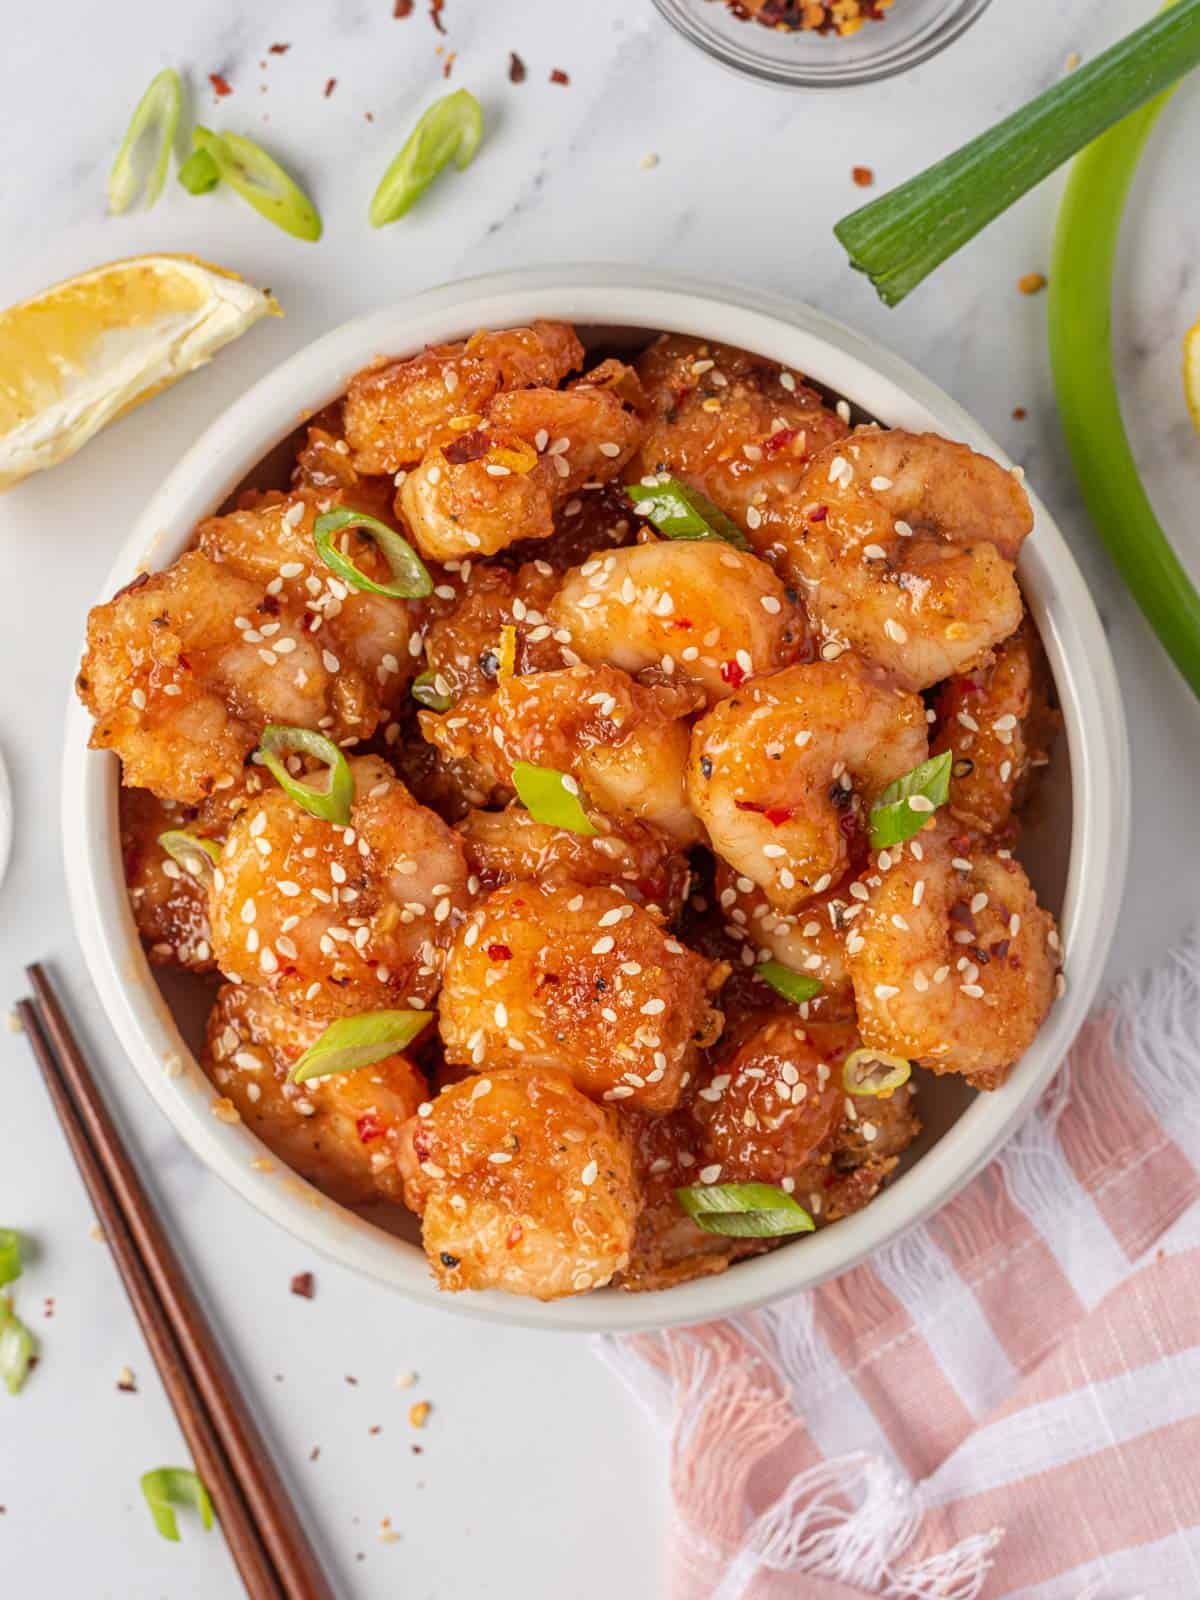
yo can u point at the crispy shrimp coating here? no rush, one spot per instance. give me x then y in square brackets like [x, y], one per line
[999, 724]
[533, 450]
[781, 773]
[336, 920]
[471, 608]
[341, 1132]
[523, 1184]
[626, 743]
[701, 611]
[169, 903]
[810, 940]
[953, 960]
[906, 545]
[640, 860]
[559, 974]
[396, 411]
[736, 426]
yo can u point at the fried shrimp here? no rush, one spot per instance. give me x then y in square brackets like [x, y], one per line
[781, 773]
[905, 544]
[999, 724]
[501, 481]
[341, 1132]
[579, 977]
[953, 960]
[699, 611]
[396, 411]
[169, 902]
[336, 920]
[523, 1184]
[469, 612]
[624, 742]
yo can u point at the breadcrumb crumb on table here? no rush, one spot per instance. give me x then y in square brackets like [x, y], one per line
[1032, 283]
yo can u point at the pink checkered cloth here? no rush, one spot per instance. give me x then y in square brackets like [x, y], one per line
[1004, 1403]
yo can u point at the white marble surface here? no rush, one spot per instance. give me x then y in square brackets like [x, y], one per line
[538, 1476]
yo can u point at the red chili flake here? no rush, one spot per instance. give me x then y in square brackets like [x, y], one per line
[376, 1429]
[732, 674]
[559, 76]
[314, 1453]
[403, 8]
[818, 513]
[369, 1127]
[436, 7]
[221, 86]
[467, 447]
[304, 1284]
[515, 1234]
[516, 68]
[778, 441]
[682, 622]
[278, 49]
[448, 64]
[864, 177]
[368, 116]
[330, 86]
[499, 952]
[352, 1381]
[1019, 413]
[775, 815]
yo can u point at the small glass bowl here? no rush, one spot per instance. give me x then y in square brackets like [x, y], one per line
[911, 32]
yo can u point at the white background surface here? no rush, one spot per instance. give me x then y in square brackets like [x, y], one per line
[539, 1475]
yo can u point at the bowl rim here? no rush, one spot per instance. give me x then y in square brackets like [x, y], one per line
[847, 362]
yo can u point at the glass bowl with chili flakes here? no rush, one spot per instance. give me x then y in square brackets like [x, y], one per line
[821, 44]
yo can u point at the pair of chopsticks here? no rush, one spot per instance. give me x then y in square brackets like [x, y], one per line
[268, 1544]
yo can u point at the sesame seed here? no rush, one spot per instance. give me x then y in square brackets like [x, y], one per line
[653, 1008]
[709, 1174]
[896, 631]
[603, 946]
[881, 485]
[885, 991]
[499, 1157]
[920, 802]
[589, 1174]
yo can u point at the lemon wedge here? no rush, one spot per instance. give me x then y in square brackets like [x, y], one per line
[1191, 372]
[89, 349]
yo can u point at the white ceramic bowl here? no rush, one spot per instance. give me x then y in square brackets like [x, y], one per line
[1077, 855]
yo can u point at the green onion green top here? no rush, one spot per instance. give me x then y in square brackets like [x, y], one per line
[680, 512]
[409, 576]
[199, 173]
[426, 692]
[331, 804]
[10, 1255]
[156, 115]
[905, 806]
[449, 131]
[795, 986]
[744, 1210]
[900, 238]
[550, 797]
[354, 1042]
[261, 181]
[874, 1072]
[188, 850]
[17, 1347]
[168, 1487]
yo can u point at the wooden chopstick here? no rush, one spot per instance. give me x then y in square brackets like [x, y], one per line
[270, 1516]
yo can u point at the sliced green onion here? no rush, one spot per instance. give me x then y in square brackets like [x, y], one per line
[425, 691]
[409, 577]
[10, 1255]
[156, 114]
[261, 182]
[791, 985]
[874, 1072]
[449, 131]
[354, 1042]
[901, 237]
[168, 1487]
[1081, 358]
[744, 1210]
[681, 512]
[17, 1347]
[550, 797]
[195, 855]
[199, 173]
[905, 806]
[331, 804]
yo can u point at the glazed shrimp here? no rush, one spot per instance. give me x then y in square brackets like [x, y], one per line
[810, 940]
[999, 724]
[501, 480]
[624, 742]
[734, 425]
[906, 545]
[702, 611]
[523, 1184]
[562, 975]
[169, 902]
[953, 960]
[336, 920]
[397, 411]
[469, 612]
[781, 773]
[341, 1132]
